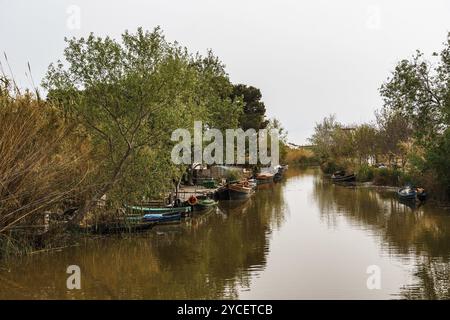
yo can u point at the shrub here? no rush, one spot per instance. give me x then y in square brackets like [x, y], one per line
[301, 157]
[386, 177]
[233, 175]
[438, 159]
[330, 167]
[365, 173]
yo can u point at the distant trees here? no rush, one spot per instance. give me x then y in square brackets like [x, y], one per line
[412, 126]
[282, 136]
[323, 138]
[419, 91]
[394, 131]
[365, 141]
[253, 115]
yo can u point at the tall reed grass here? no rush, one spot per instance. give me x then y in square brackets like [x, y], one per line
[43, 161]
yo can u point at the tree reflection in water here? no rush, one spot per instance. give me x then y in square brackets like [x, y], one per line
[207, 257]
[419, 233]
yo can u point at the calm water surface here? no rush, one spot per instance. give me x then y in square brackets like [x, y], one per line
[301, 239]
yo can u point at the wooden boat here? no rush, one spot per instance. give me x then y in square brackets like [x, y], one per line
[161, 217]
[407, 193]
[239, 191]
[222, 193]
[279, 175]
[341, 176]
[161, 210]
[410, 193]
[252, 183]
[121, 227]
[264, 178]
[235, 191]
[199, 203]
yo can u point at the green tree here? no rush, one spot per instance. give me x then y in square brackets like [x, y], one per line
[282, 136]
[254, 109]
[419, 91]
[394, 129]
[129, 96]
[322, 138]
[223, 110]
[365, 142]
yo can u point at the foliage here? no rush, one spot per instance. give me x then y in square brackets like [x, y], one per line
[233, 175]
[438, 160]
[386, 177]
[365, 173]
[254, 109]
[44, 165]
[129, 97]
[323, 138]
[301, 156]
[282, 136]
[419, 92]
[330, 166]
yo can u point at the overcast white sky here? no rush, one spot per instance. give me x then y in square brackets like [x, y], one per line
[309, 58]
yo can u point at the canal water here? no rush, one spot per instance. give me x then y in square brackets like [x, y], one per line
[303, 238]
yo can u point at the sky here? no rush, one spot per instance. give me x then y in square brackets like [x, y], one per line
[309, 58]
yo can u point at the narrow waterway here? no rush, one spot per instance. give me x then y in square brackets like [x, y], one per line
[303, 238]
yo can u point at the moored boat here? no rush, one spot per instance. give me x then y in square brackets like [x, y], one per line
[201, 203]
[279, 175]
[252, 183]
[235, 191]
[161, 217]
[161, 210]
[407, 193]
[239, 191]
[410, 193]
[342, 176]
[264, 178]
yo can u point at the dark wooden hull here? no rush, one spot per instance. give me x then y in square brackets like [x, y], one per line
[422, 196]
[117, 228]
[161, 218]
[406, 194]
[411, 194]
[222, 194]
[347, 178]
[238, 195]
[278, 177]
[227, 193]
